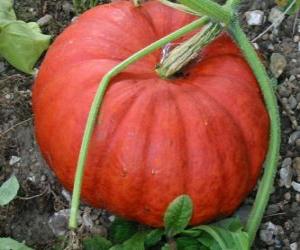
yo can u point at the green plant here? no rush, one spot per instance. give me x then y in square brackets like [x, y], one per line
[21, 44]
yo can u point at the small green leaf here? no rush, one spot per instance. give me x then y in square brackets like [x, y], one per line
[216, 237]
[136, 242]
[96, 243]
[21, 44]
[153, 237]
[9, 190]
[121, 230]
[7, 12]
[178, 215]
[10, 244]
[188, 243]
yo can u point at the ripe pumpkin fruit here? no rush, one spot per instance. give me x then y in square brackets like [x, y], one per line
[203, 134]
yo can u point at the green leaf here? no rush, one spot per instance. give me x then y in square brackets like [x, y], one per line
[178, 215]
[9, 190]
[10, 244]
[7, 12]
[188, 243]
[153, 237]
[121, 230]
[136, 242]
[21, 44]
[117, 247]
[96, 243]
[230, 236]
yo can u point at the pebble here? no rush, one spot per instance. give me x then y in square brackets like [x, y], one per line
[297, 143]
[286, 175]
[86, 218]
[292, 102]
[67, 8]
[283, 91]
[278, 64]
[286, 162]
[296, 39]
[293, 137]
[255, 17]
[276, 16]
[58, 222]
[294, 246]
[13, 160]
[66, 195]
[268, 233]
[43, 21]
[287, 196]
[99, 230]
[296, 186]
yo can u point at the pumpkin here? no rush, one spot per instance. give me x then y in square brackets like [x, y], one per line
[204, 133]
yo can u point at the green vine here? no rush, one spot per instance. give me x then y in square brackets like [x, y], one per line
[223, 14]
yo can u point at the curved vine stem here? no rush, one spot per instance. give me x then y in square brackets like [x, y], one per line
[266, 184]
[97, 103]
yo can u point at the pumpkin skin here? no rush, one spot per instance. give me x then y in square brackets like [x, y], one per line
[204, 134]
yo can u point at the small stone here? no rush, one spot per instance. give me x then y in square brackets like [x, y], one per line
[13, 160]
[294, 246]
[255, 17]
[283, 91]
[112, 218]
[276, 16]
[296, 186]
[44, 20]
[286, 175]
[67, 8]
[66, 195]
[292, 101]
[288, 225]
[296, 39]
[287, 196]
[99, 230]
[278, 64]
[293, 137]
[7, 96]
[286, 162]
[58, 222]
[86, 218]
[74, 19]
[267, 233]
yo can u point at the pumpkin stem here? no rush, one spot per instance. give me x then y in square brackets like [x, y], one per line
[137, 3]
[187, 51]
[266, 184]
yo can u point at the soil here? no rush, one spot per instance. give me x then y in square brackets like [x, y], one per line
[41, 196]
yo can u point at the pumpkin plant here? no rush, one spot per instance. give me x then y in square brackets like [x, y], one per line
[193, 121]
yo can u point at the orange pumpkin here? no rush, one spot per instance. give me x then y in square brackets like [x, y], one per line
[203, 134]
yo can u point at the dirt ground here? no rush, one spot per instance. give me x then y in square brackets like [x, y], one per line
[31, 216]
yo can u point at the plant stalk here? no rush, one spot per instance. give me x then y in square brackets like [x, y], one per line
[188, 51]
[266, 184]
[213, 10]
[92, 117]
